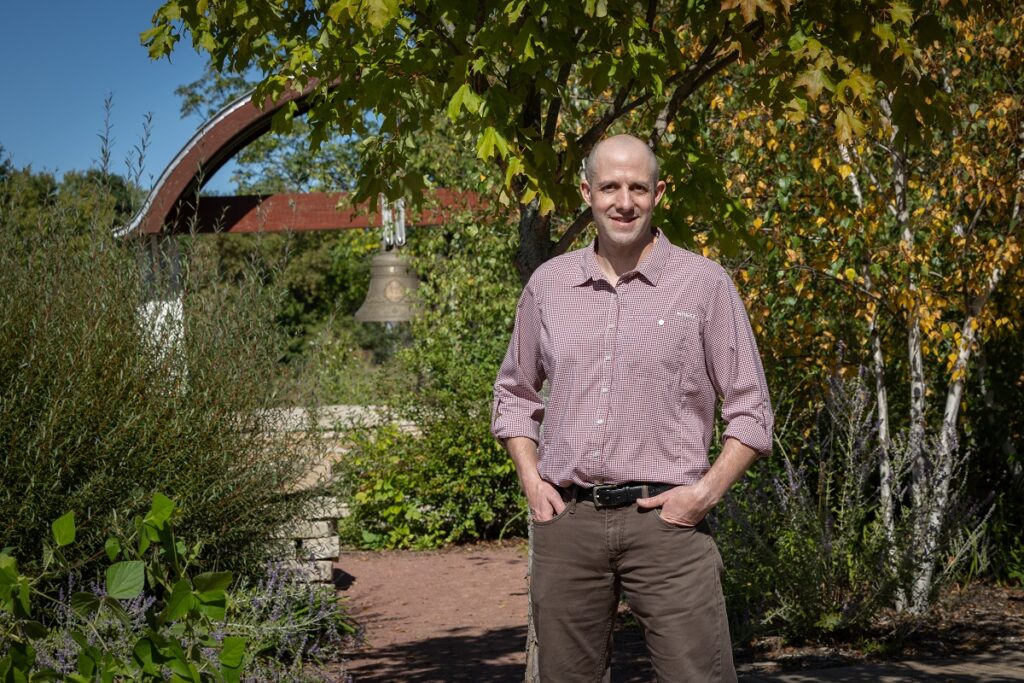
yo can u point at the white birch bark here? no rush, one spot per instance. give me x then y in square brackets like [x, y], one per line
[881, 395]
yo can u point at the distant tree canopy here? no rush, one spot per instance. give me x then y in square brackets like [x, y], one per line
[535, 85]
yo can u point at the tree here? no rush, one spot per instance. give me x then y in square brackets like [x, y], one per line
[536, 85]
[898, 251]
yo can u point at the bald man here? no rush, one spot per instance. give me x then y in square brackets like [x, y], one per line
[637, 339]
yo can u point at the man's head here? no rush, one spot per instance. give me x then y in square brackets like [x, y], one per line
[621, 186]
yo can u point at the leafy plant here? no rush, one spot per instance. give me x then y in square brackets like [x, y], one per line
[96, 412]
[442, 477]
[152, 619]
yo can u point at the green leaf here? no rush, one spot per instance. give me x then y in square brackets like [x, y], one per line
[901, 11]
[489, 142]
[180, 602]
[336, 9]
[455, 103]
[125, 580]
[85, 604]
[814, 80]
[211, 581]
[34, 630]
[113, 548]
[213, 604]
[380, 12]
[160, 511]
[64, 529]
[143, 654]
[8, 570]
[848, 126]
[232, 652]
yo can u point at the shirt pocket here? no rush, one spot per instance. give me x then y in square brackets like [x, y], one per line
[666, 348]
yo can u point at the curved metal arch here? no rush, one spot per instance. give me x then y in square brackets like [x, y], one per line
[228, 132]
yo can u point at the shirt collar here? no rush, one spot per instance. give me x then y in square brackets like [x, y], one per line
[649, 268]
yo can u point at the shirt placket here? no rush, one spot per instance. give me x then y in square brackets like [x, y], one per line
[599, 429]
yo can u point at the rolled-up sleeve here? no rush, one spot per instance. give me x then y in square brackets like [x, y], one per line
[734, 366]
[518, 408]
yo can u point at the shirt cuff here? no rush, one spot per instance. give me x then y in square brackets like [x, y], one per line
[506, 427]
[751, 433]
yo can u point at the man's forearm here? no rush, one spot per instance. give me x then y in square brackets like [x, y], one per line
[545, 501]
[730, 465]
[523, 451]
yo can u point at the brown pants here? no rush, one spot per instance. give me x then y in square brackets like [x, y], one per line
[671, 576]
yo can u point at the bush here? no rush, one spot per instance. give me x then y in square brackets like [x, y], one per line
[152, 619]
[447, 479]
[808, 555]
[97, 412]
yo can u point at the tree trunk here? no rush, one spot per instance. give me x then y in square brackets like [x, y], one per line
[535, 246]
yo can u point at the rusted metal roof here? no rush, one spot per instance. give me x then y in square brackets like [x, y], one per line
[174, 205]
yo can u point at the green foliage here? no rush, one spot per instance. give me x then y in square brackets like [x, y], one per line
[96, 411]
[535, 85]
[810, 557]
[153, 619]
[433, 474]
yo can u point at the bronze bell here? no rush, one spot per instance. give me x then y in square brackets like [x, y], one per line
[392, 287]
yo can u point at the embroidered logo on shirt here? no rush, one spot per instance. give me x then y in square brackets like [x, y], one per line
[684, 314]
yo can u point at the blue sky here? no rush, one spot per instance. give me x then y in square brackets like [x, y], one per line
[59, 59]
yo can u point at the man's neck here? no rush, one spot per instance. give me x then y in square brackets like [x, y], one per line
[613, 263]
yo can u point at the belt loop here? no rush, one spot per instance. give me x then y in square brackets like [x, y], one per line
[643, 489]
[572, 503]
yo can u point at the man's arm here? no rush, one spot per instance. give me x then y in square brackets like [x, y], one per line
[688, 505]
[544, 500]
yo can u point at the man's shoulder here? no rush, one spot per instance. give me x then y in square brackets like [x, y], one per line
[559, 271]
[682, 260]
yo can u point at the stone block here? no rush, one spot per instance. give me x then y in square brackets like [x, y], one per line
[321, 571]
[327, 507]
[308, 529]
[320, 548]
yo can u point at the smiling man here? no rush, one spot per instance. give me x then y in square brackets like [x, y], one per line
[637, 339]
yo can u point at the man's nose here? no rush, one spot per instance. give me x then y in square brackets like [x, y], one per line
[624, 199]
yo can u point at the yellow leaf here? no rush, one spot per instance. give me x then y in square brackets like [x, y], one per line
[815, 163]
[851, 274]
[845, 170]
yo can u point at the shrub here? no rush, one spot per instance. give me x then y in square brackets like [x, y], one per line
[153, 619]
[808, 554]
[97, 412]
[446, 480]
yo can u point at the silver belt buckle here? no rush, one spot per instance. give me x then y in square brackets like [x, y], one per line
[596, 493]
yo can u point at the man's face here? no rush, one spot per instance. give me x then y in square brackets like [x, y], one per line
[622, 193]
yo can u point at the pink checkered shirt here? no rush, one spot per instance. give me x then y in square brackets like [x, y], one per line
[634, 371]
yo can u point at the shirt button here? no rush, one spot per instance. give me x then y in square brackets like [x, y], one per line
[607, 357]
[600, 422]
[604, 390]
[611, 325]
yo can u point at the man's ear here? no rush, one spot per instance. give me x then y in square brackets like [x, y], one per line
[585, 191]
[659, 190]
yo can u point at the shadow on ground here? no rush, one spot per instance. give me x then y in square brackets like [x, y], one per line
[493, 657]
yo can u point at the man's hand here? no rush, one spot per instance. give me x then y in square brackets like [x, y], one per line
[545, 501]
[687, 505]
[682, 506]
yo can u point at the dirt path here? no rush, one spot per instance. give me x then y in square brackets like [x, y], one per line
[451, 615]
[459, 615]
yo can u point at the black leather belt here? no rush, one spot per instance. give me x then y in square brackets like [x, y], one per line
[617, 495]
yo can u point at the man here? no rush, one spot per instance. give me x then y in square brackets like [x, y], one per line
[636, 338]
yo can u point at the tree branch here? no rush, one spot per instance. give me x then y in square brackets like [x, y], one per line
[555, 106]
[575, 228]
